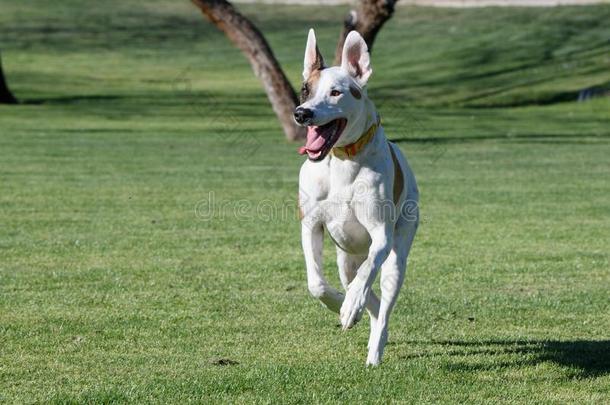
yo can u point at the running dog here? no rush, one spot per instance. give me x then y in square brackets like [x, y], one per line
[358, 186]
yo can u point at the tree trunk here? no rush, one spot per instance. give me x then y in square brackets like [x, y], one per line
[252, 43]
[367, 19]
[6, 97]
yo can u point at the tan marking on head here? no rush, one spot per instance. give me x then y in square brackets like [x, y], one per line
[314, 77]
[310, 85]
[355, 92]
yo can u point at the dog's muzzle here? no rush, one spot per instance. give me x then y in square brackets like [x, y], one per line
[303, 116]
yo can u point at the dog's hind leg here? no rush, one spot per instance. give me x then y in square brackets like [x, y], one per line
[392, 276]
[312, 239]
[348, 268]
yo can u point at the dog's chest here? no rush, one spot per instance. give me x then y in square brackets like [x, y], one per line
[332, 202]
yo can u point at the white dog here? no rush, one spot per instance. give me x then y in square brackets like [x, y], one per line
[358, 186]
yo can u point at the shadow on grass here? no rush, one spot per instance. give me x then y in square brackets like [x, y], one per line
[555, 138]
[71, 99]
[602, 90]
[582, 358]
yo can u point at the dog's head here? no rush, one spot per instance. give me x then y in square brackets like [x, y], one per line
[333, 99]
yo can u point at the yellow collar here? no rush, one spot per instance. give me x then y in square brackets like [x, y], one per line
[353, 148]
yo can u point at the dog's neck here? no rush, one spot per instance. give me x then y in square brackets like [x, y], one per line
[371, 117]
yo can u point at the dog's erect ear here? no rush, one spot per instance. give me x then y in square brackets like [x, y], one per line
[313, 58]
[356, 59]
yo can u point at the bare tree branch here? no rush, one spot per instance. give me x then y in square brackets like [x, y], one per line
[266, 67]
[367, 19]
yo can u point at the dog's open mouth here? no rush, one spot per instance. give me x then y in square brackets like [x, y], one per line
[320, 140]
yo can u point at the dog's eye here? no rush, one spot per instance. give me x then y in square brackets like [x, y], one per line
[335, 93]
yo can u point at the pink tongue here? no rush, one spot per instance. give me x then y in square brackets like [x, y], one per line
[315, 140]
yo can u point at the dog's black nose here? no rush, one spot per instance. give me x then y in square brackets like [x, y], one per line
[303, 115]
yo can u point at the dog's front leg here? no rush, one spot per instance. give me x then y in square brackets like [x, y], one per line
[360, 288]
[312, 237]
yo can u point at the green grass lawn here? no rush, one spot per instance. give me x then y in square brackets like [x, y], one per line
[116, 284]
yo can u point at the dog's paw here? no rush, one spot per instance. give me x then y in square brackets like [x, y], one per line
[353, 305]
[373, 359]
